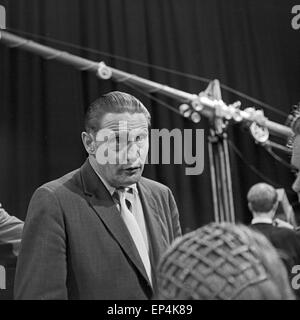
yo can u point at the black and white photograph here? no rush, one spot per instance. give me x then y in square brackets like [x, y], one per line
[149, 152]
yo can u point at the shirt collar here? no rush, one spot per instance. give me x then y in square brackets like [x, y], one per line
[110, 188]
[262, 220]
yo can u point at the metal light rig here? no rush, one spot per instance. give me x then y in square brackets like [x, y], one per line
[208, 104]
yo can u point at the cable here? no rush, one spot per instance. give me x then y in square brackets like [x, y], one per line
[253, 169]
[269, 149]
[160, 68]
[150, 96]
[110, 55]
[278, 158]
[262, 104]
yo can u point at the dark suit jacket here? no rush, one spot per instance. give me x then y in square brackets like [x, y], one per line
[76, 246]
[287, 243]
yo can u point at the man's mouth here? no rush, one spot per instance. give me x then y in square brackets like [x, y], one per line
[132, 169]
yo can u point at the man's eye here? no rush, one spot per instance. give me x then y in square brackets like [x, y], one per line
[140, 137]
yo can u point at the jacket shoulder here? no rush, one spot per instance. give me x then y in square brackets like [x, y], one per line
[285, 232]
[154, 185]
[60, 184]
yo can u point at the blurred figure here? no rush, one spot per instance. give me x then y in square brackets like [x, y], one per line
[295, 161]
[10, 230]
[285, 214]
[262, 202]
[222, 262]
[10, 239]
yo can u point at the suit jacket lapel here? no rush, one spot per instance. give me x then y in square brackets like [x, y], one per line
[153, 222]
[102, 203]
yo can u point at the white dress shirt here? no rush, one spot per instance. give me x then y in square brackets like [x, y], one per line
[134, 198]
[262, 220]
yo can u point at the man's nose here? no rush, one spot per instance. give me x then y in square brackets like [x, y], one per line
[133, 152]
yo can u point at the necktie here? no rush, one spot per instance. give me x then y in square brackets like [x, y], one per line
[134, 231]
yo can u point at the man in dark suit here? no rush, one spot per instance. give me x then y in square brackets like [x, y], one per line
[99, 231]
[262, 202]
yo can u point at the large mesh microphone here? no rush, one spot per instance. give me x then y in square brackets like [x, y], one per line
[222, 261]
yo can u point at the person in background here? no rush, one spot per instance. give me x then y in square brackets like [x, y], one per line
[222, 261]
[295, 159]
[11, 229]
[99, 231]
[262, 202]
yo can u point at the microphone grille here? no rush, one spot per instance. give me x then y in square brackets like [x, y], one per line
[217, 261]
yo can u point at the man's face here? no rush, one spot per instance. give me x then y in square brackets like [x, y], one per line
[122, 148]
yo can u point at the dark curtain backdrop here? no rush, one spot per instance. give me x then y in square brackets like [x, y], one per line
[248, 45]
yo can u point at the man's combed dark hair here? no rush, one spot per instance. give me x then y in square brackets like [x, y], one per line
[112, 102]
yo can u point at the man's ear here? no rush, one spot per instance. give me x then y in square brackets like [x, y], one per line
[88, 142]
[250, 206]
